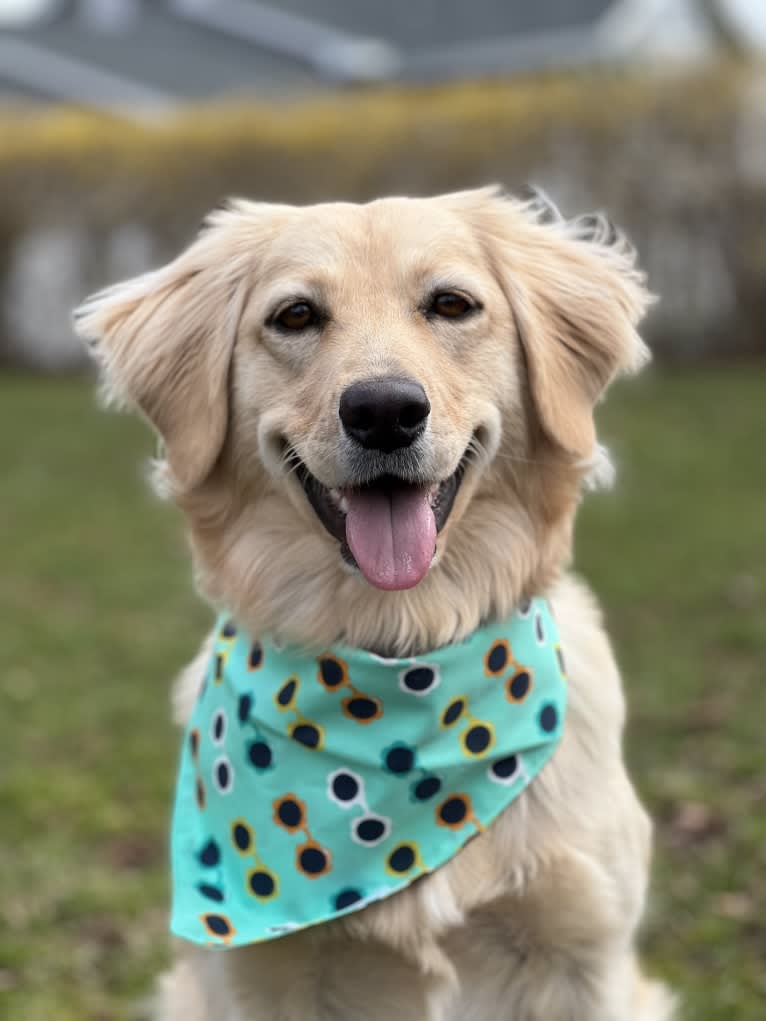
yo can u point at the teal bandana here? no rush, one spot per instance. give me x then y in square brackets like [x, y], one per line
[311, 785]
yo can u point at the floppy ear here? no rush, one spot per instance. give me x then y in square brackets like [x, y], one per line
[164, 342]
[577, 297]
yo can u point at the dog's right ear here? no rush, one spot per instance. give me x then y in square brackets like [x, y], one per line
[576, 296]
[165, 339]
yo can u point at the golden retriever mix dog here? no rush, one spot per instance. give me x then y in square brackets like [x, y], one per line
[378, 422]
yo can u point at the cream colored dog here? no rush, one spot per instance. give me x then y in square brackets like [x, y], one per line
[486, 329]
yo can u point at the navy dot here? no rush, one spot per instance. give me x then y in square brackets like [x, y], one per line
[223, 775]
[549, 718]
[362, 708]
[453, 811]
[313, 860]
[229, 629]
[420, 678]
[519, 684]
[290, 813]
[524, 607]
[345, 787]
[505, 768]
[261, 883]
[286, 692]
[241, 836]
[217, 924]
[477, 739]
[306, 734]
[400, 759]
[332, 672]
[346, 898]
[244, 706]
[497, 658]
[211, 892]
[401, 859]
[219, 725]
[370, 830]
[256, 655]
[539, 630]
[210, 853]
[259, 754]
[453, 712]
[427, 787]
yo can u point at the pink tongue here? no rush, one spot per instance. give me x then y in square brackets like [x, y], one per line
[392, 535]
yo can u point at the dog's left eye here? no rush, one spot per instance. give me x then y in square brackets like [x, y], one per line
[298, 316]
[449, 305]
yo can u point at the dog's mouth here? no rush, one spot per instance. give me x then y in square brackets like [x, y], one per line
[388, 527]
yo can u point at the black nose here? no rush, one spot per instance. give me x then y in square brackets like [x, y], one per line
[385, 413]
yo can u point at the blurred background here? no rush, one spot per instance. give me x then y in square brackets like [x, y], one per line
[122, 122]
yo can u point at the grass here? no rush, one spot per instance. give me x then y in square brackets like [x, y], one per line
[97, 612]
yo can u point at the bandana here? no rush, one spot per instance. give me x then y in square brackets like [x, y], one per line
[313, 784]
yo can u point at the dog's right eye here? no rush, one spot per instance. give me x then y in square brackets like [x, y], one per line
[298, 316]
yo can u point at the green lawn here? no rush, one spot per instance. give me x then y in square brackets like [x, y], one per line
[97, 613]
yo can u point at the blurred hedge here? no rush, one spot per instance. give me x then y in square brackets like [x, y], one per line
[680, 161]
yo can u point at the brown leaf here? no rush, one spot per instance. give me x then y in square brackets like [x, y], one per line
[133, 851]
[694, 823]
[735, 905]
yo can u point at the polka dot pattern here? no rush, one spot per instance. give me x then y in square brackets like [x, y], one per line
[497, 657]
[210, 892]
[346, 899]
[259, 755]
[419, 680]
[314, 784]
[262, 884]
[426, 788]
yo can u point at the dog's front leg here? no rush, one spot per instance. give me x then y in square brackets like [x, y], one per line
[561, 950]
[323, 974]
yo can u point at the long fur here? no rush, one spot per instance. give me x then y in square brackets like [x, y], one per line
[535, 918]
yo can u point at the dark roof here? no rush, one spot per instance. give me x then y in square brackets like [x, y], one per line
[423, 24]
[181, 49]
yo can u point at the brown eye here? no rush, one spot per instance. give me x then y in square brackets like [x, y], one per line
[450, 306]
[299, 316]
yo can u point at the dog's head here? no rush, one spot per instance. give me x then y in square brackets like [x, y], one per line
[362, 398]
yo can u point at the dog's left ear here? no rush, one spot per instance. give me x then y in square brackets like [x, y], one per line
[164, 343]
[576, 297]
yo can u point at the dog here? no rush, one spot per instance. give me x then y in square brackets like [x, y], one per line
[378, 422]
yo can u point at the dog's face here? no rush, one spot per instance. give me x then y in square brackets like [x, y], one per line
[370, 353]
[380, 387]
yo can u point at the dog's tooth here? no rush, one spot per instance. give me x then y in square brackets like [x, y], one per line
[338, 499]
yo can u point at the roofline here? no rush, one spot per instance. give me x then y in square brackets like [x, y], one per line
[332, 53]
[343, 56]
[45, 72]
[615, 34]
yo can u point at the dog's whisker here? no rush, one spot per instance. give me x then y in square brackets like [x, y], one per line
[515, 459]
[289, 461]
